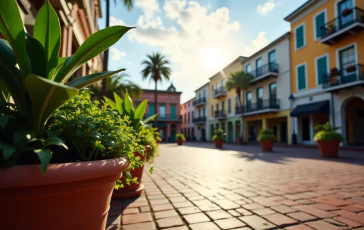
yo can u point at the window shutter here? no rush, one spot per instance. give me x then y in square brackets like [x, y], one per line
[319, 21]
[321, 69]
[299, 37]
[301, 77]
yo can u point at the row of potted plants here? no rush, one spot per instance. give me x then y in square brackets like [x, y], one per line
[61, 153]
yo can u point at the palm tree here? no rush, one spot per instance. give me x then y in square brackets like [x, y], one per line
[156, 69]
[119, 84]
[129, 5]
[239, 81]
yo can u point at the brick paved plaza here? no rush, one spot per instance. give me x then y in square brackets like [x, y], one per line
[198, 187]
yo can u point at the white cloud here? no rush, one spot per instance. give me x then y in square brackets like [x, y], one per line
[257, 44]
[173, 8]
[149, 7]
[117, 22]
[268, 6]
[117, 54]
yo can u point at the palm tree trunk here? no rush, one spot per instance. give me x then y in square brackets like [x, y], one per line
[106, 53]
[155, 103]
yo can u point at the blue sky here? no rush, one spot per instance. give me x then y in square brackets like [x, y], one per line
[198, 37]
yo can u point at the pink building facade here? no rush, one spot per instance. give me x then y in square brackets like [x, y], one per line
[188, 127]
[168, 108]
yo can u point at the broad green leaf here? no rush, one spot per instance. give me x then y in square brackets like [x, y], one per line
[93, 46]
[128, 103]
[139, 112]
[4, 92]
[7, 150]
[11, 26]
[54, 141]
[90, 79]
[46, 97]
[37, 58]
[151, 118]
[119, 102]
[62, 61]
[48, 32]
[111, 103]
[45, 156]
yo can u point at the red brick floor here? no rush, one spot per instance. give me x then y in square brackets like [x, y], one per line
[197, 187]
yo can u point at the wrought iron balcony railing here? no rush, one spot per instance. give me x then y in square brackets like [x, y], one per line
[262, 105]
[220, 114]
[219, 92]
[239, 109]
[350, 76]
[200, 101]
[270, 69]
[201, 119]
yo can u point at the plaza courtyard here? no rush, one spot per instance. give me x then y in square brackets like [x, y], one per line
[198, 187]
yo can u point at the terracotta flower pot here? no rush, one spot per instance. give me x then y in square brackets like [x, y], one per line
[267, 145]
[132, 190]
[350, 69]
[69, 196]
[179, 142]
[346, 12]
[329, 148]
[218, 143]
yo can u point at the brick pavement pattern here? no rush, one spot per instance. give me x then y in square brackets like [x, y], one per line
[198, 187]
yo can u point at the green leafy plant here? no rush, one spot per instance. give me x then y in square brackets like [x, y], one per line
[326, 132]
[266, 135]
[156, 134]
[34, 80]
[94, 132]
[126, 108]
[219, 135]
[180, 137]
[147, 137]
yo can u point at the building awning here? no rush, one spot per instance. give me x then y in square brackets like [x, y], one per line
[311, 108]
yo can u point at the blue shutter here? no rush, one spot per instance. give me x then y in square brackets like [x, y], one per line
[322, 69]
[151, 110]
[299, 37]
[319, 21]
[301, 71]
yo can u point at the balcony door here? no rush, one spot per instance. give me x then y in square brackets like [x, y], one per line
[259, 64]
[347, 58]
[273, 94]
[248, 101]
[272, 61]
[345, 20]
[259, 98]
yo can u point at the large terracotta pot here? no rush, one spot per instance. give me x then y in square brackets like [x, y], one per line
[267, 145]
[69, 196]
[134, 190]
[218, 143]
[329, 148]
[179, 142]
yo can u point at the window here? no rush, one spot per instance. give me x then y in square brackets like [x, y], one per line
[272, 57]
[236, 100]
[212, 110]
[212, 88]
[320, 21]
[229, 105]
[300, 37]
[347, 57]
[223, 83]
[151, 110]
[273, 92]
[173, 111]
[258, 65]
[217, 85]
[248, 68]
[301, 76]
[217, 106]
[162, 111]
[345, 20]
[260, 97]
[223, 106]
[321, 68]
[248, 98]
[188, 117]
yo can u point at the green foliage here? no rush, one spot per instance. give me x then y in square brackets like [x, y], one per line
[180, 136]
[126, 108]
[34, 76]
[147, 136]
[326, 132]
[219, 135]
[266, 135]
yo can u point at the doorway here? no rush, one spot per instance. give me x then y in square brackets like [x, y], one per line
[305, 126]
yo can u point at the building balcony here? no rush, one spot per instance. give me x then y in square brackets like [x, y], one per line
[219, 92]
[346, 78]
[199, 120]
[220, 114]
[265, 71]
[264, 106]
[239, 110]
[167, 117]
[199, 102]
[343, 26]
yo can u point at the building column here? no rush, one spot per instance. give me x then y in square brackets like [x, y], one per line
[264, 123]
[311, 128]
[234, 132]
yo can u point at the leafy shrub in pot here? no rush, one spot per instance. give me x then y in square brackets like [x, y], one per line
[180, 138]
[266, 139]
[32, 87]
[219, 137]
[328, 139]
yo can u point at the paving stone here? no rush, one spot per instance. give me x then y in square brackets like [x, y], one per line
[331, 202]
[177, 199]
[353, 208]
[130, 211]
[189, 210]
[279, 219]
[288, 202]
[140, 226]
[234, 213]
[160, 201]
[136, 218]
[176, 228]
[227, 204]
[283, 209]
[196, 218]
[253, 206]
[230, 223]
[195, 198]
[169, 222]
[314, 211]
[257, 222]
[204, 226]
[165, 214]
[243, 211]
[183, 204]
[155, 197]
[144, 209]
[264, 211]
[350, 215]
[219, 214]
[264, 201]
[347, 221]
[324, 207]
[301, 216]
[321, 225]
[299, 227]
[161, 207]
[137, 204]
[113, 227]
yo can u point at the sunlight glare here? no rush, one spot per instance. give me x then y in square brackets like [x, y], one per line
[213, 58]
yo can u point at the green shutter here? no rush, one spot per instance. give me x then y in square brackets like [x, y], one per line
[319, 21]
[299, 37]
[322, 68]
[301, 71]
[151, 110]
[173, 111]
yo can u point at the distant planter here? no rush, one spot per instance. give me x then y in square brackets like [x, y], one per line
[334, 72]
[328, 140]
[266, 139]
[218, 138]
[180, 138]
[350, 69]
[346, 12]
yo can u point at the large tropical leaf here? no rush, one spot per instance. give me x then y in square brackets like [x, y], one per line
[48, 32]
[128, 104]
[11, 26]
[111, 103]
[149, 119]
[45, 156]
[119, 104]
[90, 79]
[37, 57]
[7, 150]
[93, 46]
[46, 97]
[139, 112]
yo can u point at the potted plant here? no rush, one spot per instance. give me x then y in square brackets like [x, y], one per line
[157, 135]
[334, 72]
[328, 140]
[266, 139]
[346, 12]
[331, 29]
[350, 68]
[218, 138]
[180, 138]
[125, 108]
[46, 190]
